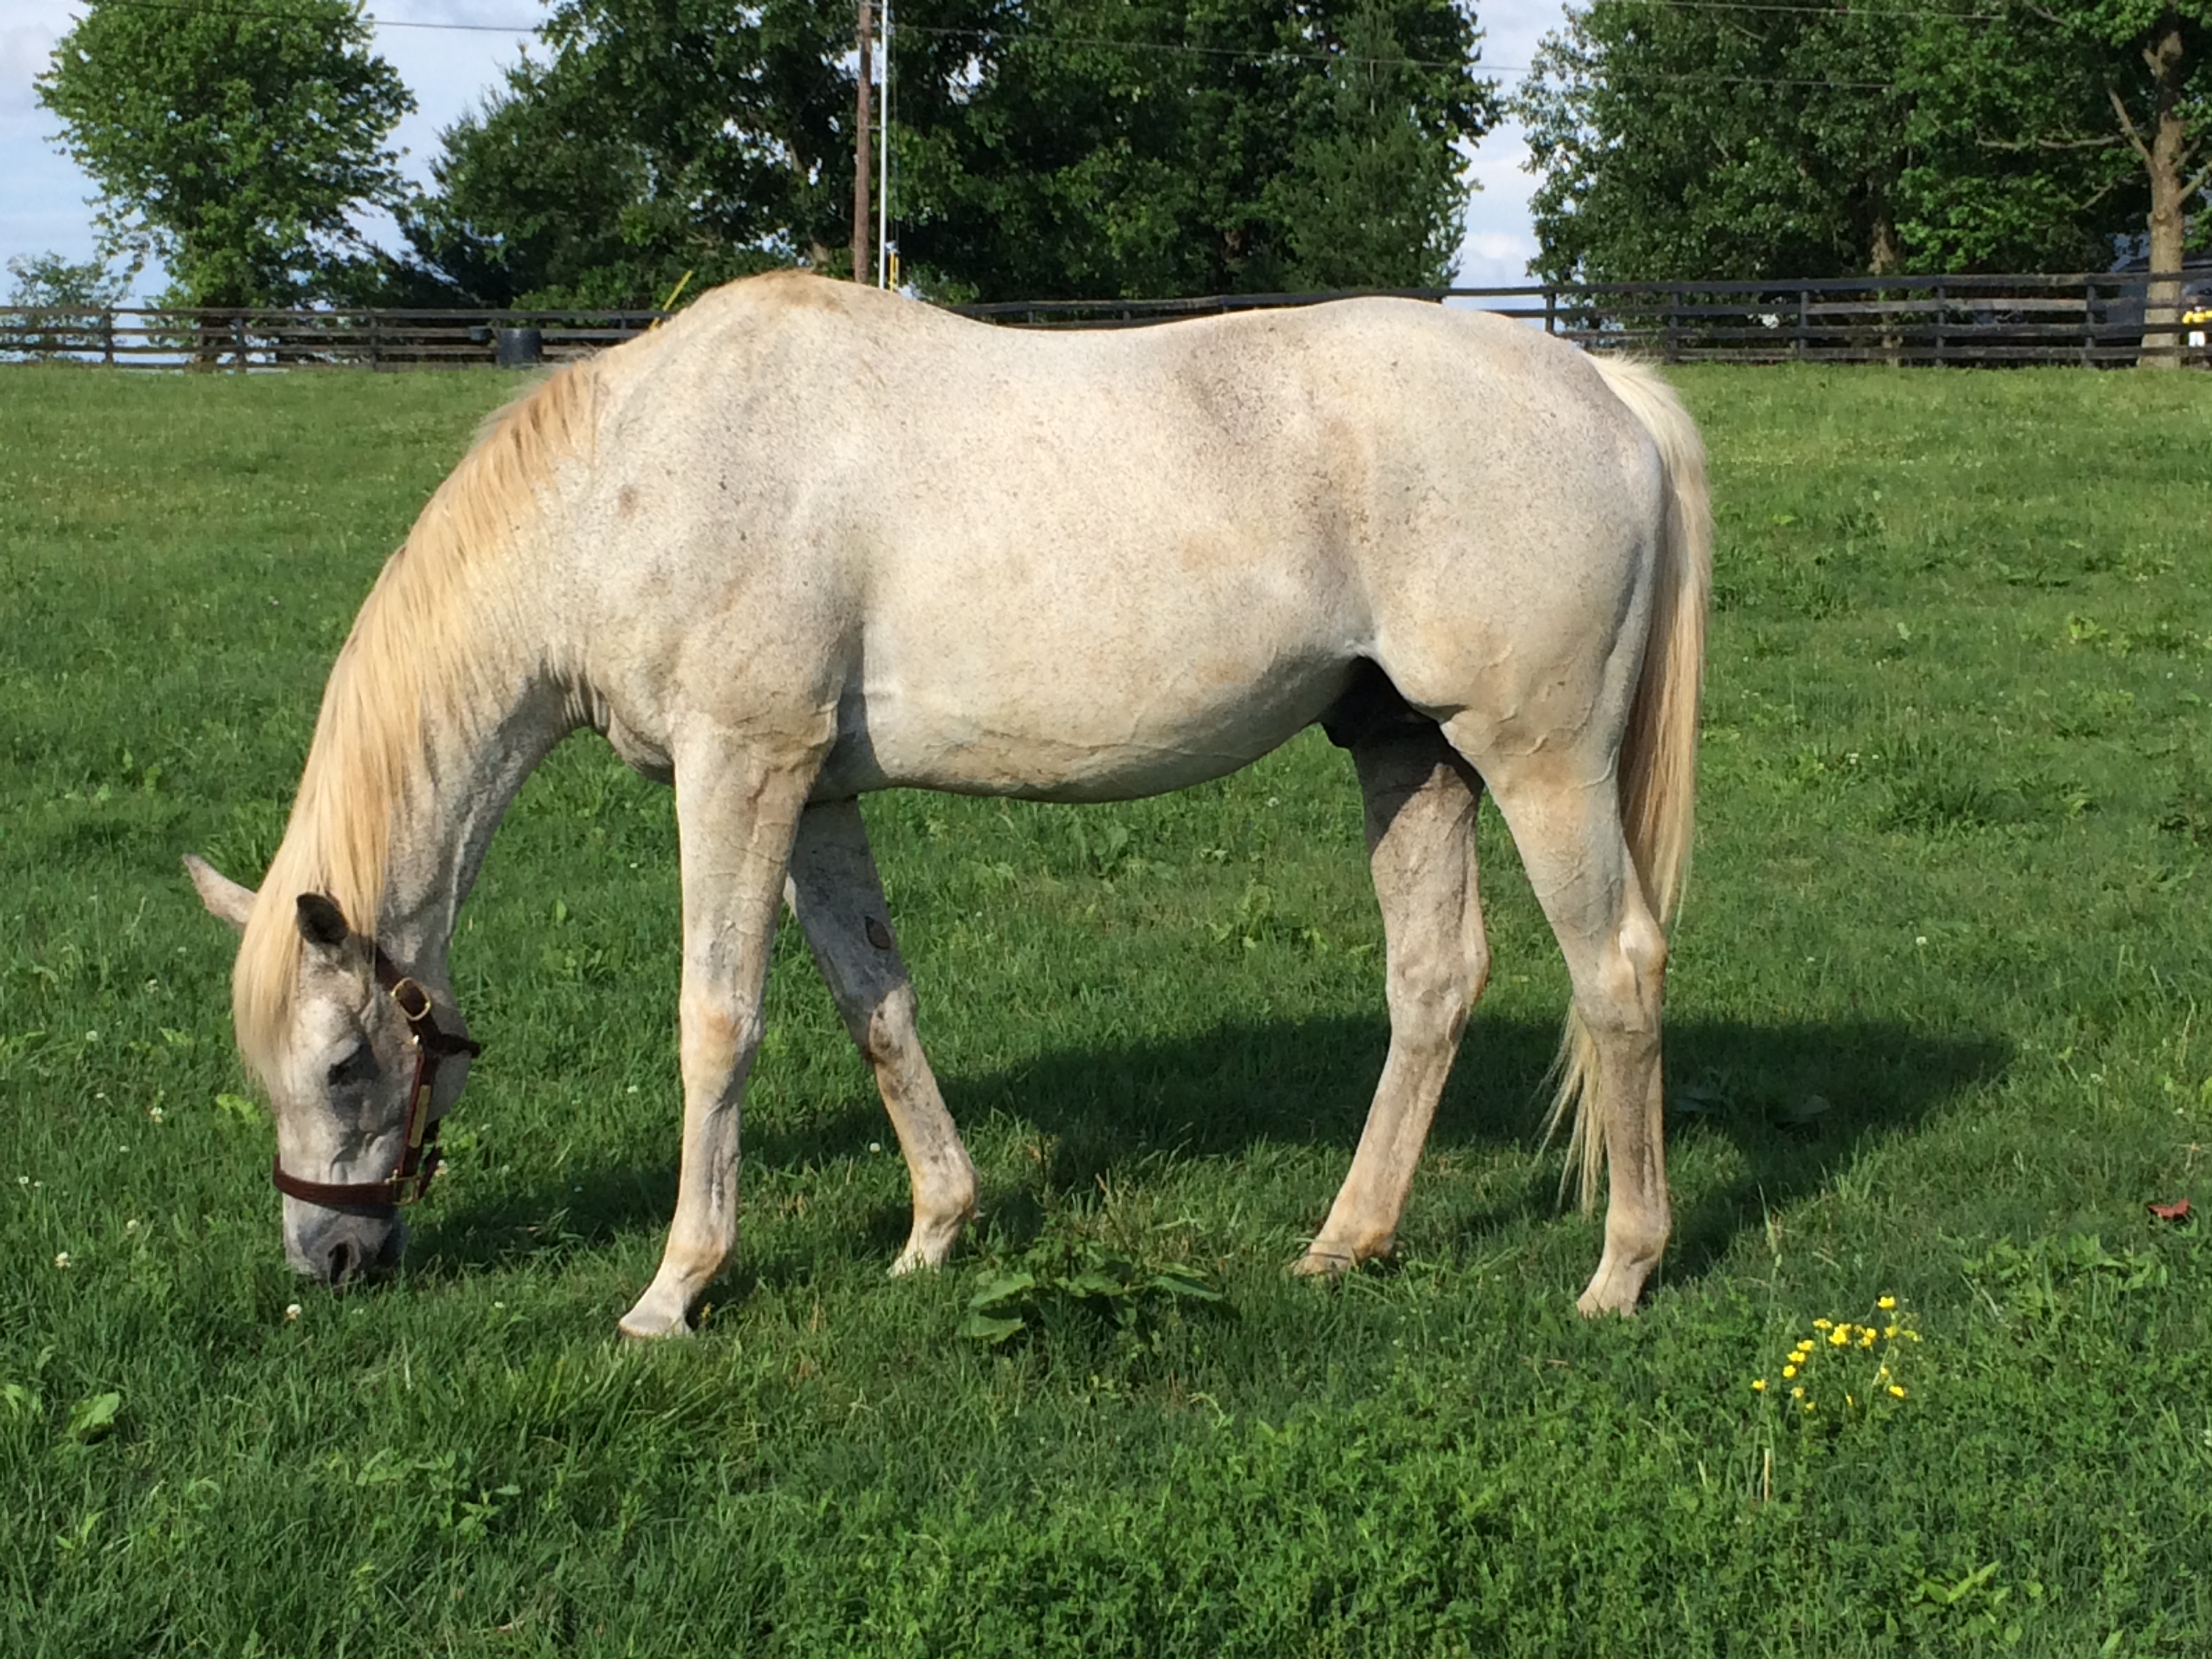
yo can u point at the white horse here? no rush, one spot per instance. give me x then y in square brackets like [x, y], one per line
[810, 540]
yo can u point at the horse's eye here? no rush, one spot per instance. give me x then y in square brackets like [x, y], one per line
[358, 1067]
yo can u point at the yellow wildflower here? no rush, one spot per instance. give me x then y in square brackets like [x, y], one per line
[1822, 1324]
[1758, 1384]
[1889, 1333]
[1866, 1337]
[1797, 1393]
[1789, 1371]
[1896, 1391]
[1886, 1303]
[1839, 1336]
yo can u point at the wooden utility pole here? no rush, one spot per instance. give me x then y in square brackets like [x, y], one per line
[860, 202]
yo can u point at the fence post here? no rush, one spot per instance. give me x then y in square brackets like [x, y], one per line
[1941, 361]
[2088, 327]
[1672, 352]
[1550, 309]
[1804, 323]
[107, 337]
[375, 339]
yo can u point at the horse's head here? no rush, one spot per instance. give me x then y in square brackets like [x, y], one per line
[357, 1070]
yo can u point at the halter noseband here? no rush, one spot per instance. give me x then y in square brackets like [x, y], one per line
[418, 1155]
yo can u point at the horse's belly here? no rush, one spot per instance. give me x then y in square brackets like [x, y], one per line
[1071, 740]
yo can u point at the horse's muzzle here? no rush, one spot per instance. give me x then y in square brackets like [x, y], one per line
[344, 1247]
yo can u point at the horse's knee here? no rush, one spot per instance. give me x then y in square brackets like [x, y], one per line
[1433, 988]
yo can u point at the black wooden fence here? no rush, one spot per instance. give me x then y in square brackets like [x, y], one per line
[1956, 320]
[2098, 319]
[222, 338]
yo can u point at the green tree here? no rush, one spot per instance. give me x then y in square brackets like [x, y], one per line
[233, 142]
[1373, 198]
[49, 281]
[1042, 147]
[1678, 142]
[71, 296]
[1111, 149]
[1745, 141]
[659, 136]
[2092, 115]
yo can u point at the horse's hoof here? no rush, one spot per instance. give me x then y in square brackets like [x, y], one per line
[653, 1318]
[929, 1246]
[1319, 1263]
[1590, 1305]
[1611, 1290]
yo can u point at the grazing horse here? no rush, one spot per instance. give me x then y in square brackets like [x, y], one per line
[811, 540]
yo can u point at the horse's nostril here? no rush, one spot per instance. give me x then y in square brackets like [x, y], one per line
[341, 1262]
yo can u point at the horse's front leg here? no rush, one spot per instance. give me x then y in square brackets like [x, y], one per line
[737, 811]
[838, 897]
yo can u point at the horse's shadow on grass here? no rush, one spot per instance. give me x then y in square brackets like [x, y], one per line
[1797, 1101]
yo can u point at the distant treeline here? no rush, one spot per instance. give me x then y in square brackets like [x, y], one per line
[1038, 148]
[1134, 148]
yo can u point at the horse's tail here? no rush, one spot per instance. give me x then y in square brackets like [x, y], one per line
[1658, 767]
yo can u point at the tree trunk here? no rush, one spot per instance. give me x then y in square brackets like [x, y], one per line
[2169, 153]
[1883, 258]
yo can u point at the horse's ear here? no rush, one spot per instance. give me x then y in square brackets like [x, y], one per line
[225, 899]
[321, 921]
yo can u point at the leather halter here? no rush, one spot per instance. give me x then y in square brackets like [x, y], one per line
[418, 1153]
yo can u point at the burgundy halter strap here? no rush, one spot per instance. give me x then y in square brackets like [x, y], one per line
[418, 1154]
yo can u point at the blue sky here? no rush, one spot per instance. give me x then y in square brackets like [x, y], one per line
[42, 195]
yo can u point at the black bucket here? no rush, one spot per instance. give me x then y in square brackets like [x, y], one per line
[521, 348]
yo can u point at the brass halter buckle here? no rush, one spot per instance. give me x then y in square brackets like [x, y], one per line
[418, 1151]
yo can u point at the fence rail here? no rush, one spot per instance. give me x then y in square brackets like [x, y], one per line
[367, 339]
[2097, 319]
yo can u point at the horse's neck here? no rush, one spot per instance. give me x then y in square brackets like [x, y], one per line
[440, 832]
[474, 755]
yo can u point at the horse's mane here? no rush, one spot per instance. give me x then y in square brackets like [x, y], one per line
[414, 649]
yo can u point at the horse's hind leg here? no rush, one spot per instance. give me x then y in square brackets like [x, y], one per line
[1566, 818]
[1421, 799]
[835, 893]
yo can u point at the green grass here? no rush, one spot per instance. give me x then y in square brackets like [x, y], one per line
[1934, 1030]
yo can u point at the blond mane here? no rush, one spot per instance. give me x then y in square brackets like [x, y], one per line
[411, 658]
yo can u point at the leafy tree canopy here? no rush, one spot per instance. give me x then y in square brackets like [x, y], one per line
[48, 281]
[233, 142]
[1680, 141]
[1041, 147]
[2091, 116]
[1134, 148]
[659, 136]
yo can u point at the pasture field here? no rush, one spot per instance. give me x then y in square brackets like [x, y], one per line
[1938, 1033]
